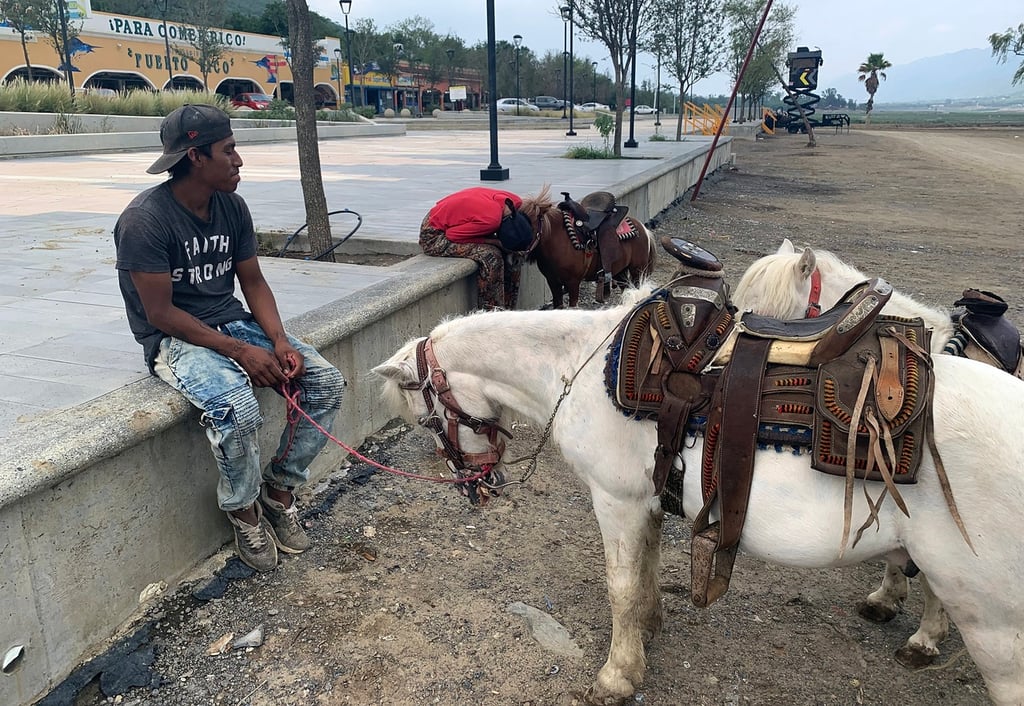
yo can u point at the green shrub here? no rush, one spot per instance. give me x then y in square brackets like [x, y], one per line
[278, 110]
[589, 152]
[657, 137]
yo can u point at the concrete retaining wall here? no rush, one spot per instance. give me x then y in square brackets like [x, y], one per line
[118, 494]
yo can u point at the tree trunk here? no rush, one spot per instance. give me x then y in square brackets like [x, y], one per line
[307, 140]
[28, 64]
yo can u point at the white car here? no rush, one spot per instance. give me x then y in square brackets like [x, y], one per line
[508, 105]
[643, 110]
[593, 107]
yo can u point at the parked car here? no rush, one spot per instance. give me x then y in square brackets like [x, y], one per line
[108, 92]
[643, 110]
[256, 101]
[593, 107]
[508, 105]
[548, 103]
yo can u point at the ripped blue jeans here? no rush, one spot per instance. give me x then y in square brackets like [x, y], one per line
[221, 389]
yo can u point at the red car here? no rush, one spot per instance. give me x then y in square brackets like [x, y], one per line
[256, 101]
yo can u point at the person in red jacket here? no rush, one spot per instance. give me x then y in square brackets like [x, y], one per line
[484, 225]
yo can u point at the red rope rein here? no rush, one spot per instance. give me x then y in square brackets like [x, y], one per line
[294, 414]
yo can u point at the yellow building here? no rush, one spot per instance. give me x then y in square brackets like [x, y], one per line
[124, 53]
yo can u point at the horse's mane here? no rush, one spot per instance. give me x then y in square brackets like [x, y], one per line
[540, 209]
[775, 276]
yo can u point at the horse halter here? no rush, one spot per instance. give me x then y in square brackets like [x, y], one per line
[813, 307]
[483, 478]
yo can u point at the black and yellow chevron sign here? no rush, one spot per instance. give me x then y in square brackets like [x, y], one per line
[808, 78]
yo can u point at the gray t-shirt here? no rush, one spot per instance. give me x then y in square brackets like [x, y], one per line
[157, 234]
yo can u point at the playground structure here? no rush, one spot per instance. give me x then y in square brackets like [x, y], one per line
[803, 80]
[703, 120]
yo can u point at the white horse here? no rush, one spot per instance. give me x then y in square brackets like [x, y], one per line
[782, 285]
[499, 365]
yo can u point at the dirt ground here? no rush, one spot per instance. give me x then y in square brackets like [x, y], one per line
[404, 597]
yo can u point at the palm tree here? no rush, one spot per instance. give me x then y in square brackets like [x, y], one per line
[869, 72]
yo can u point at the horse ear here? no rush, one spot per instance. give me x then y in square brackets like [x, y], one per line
[786, 248]
[399, 372]
[807, 263]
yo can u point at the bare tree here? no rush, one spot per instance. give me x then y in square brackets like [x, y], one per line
[692, 35]
[307, 139]
[205, 47]
[616, 24]
[23, 16]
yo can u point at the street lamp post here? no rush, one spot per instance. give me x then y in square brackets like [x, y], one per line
[494, 171]
[567, 16]
[518, 41]
[631, 142]
[399, 48]
[657, 94]
[346, 7]
[565, 10]
[451, 74]
[337, 63]
[593, 65]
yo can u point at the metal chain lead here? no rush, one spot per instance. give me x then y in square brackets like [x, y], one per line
[546, 434]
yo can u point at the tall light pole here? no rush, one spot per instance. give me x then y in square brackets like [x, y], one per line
[593, 65]
[572, 60]
[566, 12]
[634, 11]
[494, 170]
[451, 74]
[346, 7]
[657, 93]
[167, 50]
[337, 63]
[398, 48]
[518, 41]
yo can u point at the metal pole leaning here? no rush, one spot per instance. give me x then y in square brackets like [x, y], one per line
[732, 97]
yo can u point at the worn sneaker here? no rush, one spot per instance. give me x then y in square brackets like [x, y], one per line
[286, 531]
[255, 543]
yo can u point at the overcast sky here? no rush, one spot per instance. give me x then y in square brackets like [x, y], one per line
[904, 30]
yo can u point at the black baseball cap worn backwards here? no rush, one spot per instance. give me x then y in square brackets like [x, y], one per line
[187, 127]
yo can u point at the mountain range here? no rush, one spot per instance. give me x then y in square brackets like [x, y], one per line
[960, 75]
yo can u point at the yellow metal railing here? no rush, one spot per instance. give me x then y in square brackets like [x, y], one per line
[703, 120]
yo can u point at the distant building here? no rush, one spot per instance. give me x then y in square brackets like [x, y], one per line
[124, 53]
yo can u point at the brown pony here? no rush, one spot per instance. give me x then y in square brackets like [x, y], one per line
[567, 256]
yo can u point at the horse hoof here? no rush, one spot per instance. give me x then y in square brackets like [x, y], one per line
[598, 697]
[913, 658]
[875, 613]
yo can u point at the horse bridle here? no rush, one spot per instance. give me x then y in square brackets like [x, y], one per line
[813, 306]
[478, 469]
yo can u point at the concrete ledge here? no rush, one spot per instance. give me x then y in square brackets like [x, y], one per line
[115, 495]
[145, 134]
[123, 495]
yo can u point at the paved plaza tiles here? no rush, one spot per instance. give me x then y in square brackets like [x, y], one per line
[64, 338]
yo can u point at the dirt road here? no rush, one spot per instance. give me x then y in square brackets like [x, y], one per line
[404, 598]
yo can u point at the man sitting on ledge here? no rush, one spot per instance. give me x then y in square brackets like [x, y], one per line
[180, 246]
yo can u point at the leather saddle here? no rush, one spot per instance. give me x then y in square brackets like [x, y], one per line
[848, 380]
[984, 333]
[596, 220]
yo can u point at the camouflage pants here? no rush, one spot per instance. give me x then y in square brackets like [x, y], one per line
[497, 279]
